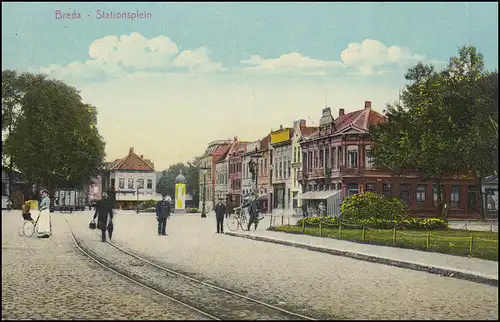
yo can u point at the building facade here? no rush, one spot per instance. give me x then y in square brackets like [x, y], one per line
[336, 157]
[207, 178]
[263, 182]
[235, 167]
[94, 191]
[281, 145]
[300, 131]
[222, 179]
[247, 184]
[130, 180]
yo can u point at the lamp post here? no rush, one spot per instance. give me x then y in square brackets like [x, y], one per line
[137, 206]
[203, 214]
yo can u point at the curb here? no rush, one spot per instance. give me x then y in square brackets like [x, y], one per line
[455, 273]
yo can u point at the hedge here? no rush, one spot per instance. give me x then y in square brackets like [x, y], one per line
[376, 223]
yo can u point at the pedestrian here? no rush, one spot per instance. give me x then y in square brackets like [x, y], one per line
[44, 224]
[104, 215]
[304, 210]
[230, 207]
[220, 211]
[253, 210]
[162, 214]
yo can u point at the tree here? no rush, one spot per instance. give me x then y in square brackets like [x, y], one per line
[443, 126]
[166, 184]
[54, 140]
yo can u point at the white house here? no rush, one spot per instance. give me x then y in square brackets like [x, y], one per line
[131, 179]
[282, 157]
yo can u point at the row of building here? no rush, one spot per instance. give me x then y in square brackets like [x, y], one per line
[307, 165]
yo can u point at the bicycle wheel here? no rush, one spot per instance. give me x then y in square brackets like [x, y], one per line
[232, 222]
[28, 228]
[243, 222]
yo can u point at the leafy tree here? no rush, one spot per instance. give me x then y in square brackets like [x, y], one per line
[54, 140]
[443, 126]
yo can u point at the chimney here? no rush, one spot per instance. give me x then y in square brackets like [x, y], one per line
[302, 123]
[142, 156]
[131, 150]
[368, 104]
[281, 127]
[341, 112]
[235, 139]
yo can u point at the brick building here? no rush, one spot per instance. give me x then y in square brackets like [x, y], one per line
[336, 158]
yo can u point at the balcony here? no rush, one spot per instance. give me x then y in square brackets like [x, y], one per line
[350, 171]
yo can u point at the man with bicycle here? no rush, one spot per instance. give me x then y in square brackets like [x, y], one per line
[253, 211]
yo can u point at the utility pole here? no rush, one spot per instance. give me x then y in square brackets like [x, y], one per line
[137, 206]
[203, 213]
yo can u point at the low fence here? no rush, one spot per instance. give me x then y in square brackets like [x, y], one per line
[400, 238]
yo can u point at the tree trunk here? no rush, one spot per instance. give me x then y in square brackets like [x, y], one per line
[440, 207]
[481, 207]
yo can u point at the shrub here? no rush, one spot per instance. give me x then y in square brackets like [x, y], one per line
[371, 205]
[147, 204]
[192, 210]
[377, 223]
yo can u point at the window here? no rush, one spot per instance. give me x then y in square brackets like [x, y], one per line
[5, 191]
[287, 206]
[130, 183]
[315, 159]
[294, 155]
[121, 183]
[404, 194]
[455, 197]
[332, 161]
[341, 158]
[353, 159]
[420, 196]
[370, 187]
[281, 170]
[339, 186]
[321, 158]
[289, 169]
[150, 184]
[435, 194]
[368, 159]
[327, 155]
[298, 155]
[309, 161]
[387, 190]
[140, 183]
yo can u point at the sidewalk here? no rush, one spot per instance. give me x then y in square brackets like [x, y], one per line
[473, 269]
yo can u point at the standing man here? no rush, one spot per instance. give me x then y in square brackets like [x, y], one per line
[304, 210]
[220, 211]
[104, 215]
[162, 214]
[253, 211]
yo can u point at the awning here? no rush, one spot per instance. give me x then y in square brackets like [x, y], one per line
[319, 195]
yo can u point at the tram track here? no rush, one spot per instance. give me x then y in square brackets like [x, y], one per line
[211, 301]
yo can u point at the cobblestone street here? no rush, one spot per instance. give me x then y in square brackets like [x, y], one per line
[51, 279]
[302, 281]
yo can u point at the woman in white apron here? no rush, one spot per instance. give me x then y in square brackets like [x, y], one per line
[44, 221]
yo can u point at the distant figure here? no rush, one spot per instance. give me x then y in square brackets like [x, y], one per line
[44, 226]
[253, 211]
[230, 207]
[220, 211]
[162, 214]
[321, 209]
[104, 214]
[9, 205]
[304, 210]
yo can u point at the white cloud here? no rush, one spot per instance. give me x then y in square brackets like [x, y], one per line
[111, 56]
[197, 60]
[370, 56]
[290, 63]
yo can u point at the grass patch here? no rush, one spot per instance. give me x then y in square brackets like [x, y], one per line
[447, 241]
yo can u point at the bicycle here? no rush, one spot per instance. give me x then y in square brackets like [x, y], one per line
[29, 226]
[237, 219]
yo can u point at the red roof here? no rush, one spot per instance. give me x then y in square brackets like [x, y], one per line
[308, 130]
[361, 119]
[132, 162]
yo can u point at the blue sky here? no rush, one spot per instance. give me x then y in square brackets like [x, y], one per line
[308, 43]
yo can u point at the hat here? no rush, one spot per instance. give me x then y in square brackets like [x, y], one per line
[45, 190]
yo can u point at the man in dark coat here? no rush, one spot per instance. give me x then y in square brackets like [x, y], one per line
[220, 211]
[162, 214]
[253, 211]
[104, 214]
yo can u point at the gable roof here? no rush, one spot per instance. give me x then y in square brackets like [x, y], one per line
[360, 120]
[132, 162]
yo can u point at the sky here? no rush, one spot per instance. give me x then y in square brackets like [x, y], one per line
[181, 75]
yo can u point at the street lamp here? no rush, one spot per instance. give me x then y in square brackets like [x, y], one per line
[203, 214]
[137, 190]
